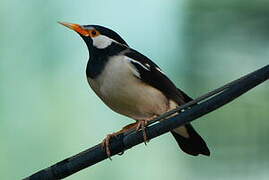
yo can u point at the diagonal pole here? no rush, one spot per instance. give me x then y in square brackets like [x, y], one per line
[189, 112]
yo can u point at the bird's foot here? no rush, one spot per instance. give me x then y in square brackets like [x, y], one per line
[105, 144]
[142, 124]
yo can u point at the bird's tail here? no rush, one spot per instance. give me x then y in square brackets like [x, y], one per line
[190, 141]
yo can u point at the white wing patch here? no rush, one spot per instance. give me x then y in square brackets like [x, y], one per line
[159, 70]
[146, 67]
[132, 67]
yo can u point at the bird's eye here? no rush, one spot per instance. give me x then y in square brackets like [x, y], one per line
[94, 33]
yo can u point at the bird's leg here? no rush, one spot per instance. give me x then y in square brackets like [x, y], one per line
[141, 124]
[105, 142]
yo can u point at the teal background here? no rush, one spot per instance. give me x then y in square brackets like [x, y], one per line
[48, 112]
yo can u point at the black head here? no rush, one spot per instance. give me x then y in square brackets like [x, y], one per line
[101, 42]
[96, 36]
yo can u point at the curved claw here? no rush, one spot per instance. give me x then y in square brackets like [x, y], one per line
[142, 125]
[105, 143]
[106, 146]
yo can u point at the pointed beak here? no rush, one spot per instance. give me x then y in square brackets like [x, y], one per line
[76, 27]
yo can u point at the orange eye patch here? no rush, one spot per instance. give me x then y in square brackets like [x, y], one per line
[94, 33]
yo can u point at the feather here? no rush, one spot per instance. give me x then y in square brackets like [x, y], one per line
[187, 138]
[152, 75]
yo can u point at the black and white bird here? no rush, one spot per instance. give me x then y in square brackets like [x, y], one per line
[132, 85]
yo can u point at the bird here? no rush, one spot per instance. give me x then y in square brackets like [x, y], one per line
[133, 85]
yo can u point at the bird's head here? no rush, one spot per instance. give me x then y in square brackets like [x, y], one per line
[96, 36]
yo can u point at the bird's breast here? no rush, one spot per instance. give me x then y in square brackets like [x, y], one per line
[123, 92]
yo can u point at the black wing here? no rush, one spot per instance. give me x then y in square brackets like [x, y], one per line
[151, 74]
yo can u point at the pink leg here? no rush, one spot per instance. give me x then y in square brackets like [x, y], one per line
[142, 124]
[105, 142]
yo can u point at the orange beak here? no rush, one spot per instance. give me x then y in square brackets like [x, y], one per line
[76, 27]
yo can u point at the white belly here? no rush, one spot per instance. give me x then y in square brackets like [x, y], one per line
[124, 93]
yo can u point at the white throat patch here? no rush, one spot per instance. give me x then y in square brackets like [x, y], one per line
[102, 41]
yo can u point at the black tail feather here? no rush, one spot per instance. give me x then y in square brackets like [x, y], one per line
[194, 144]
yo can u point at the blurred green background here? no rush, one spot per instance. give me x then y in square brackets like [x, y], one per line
[48, 112]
